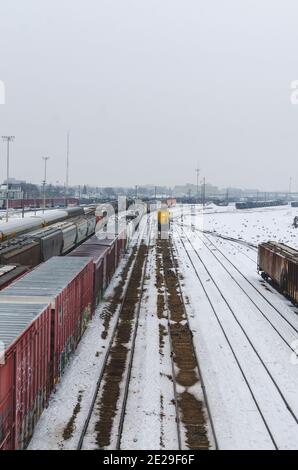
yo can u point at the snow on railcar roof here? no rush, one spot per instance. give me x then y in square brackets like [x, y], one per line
[48, 279]
[15, 317]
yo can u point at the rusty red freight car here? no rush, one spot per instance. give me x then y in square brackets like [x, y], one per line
[110, 242]
[25, 332]
[68, 284]
[279, 263]
[99, 254]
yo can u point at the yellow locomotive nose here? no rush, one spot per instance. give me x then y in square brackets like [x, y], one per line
[163, 219]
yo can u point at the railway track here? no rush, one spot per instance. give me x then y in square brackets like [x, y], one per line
[232, 239]
[195, 428]
[104, 423]
[263, 371]
[227, 264]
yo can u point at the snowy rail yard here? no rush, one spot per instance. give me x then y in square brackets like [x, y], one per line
[190, 348]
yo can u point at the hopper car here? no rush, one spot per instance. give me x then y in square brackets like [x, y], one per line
[279, 264]
[32, 248]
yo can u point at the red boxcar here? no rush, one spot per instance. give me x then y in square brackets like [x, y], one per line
[68, 284]
[99, 255]
[25, 331]
[111, 259]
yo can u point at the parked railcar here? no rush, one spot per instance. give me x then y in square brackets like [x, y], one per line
[68, 284]
[18, 226]
[25, 331]
[82, 228]
[110, 244]
[42, 318]
[50, 240]
[38, 202]
[15, 227]
[69, 235]
[259, 204]
[98, 253]
[279, 263]
[74, 211]
[9, 273]
[91, 222]
[20, 251]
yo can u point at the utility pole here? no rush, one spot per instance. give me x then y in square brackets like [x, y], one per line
[204, 192]
[44, 181]
[198, 173]
[290, 188]
[155, 193]
[7, 139]
[227, 196]
[136, 193]
[67, 170]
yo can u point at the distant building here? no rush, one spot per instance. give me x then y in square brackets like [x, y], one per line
[14, 188]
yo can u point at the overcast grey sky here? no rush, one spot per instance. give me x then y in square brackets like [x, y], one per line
[150, 87]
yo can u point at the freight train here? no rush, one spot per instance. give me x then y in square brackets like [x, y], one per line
[43, 316]
[32, 248]
[259, 204]
[38, 202]
[279, 263]
[18, 226]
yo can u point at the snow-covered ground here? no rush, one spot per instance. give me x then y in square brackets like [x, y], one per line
[244, 331]
[252, 225]
[151, 389]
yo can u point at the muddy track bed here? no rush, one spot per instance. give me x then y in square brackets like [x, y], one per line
[192, 416]
[104, 429]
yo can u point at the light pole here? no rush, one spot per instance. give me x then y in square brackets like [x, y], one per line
[67, 170]
[44, 181]
[8, 139]
[203, 191]
[198, 173]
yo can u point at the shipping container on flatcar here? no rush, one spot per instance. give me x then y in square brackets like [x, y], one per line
[9, 273]
[279, 262]
[25, 328]
[68, 284]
